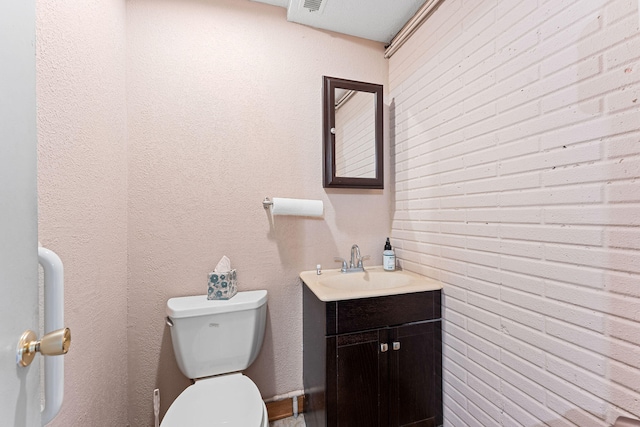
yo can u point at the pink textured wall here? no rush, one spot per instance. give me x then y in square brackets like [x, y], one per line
[224, 108]
[82, 190]
[517, 149]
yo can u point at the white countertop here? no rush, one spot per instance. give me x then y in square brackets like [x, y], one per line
[333, 285]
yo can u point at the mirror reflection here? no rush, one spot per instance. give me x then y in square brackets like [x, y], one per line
[355, 129]
[352, 149]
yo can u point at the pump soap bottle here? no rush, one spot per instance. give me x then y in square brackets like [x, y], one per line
[388, 257]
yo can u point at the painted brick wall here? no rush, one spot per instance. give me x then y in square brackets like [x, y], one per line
[515, 134]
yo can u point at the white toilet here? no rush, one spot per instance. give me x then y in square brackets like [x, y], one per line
[213, 341]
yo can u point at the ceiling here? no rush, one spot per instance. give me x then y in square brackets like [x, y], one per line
[378, 20]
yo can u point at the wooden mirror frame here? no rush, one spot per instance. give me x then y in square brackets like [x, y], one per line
[330, 180]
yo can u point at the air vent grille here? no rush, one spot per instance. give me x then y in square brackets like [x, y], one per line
[312, 5]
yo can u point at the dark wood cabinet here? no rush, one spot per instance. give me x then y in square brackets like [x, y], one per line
[357, 383]
[373, 361]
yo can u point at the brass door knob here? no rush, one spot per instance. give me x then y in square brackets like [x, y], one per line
[52, 344]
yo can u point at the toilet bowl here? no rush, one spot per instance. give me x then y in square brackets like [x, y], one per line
[214, 340]
[227, 400]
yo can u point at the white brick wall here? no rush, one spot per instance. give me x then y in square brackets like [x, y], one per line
[516, 143]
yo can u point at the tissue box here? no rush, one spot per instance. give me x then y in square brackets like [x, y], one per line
[222, 285]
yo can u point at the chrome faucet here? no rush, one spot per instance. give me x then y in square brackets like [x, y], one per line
[355, 264]
[356, 261]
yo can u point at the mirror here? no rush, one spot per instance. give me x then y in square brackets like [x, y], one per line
[352, 134]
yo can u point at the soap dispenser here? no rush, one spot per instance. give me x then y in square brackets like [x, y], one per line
[388, 257]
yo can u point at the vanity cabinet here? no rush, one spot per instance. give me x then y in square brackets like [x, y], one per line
[373, 361]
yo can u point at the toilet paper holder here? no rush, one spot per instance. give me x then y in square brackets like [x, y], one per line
[267, 203]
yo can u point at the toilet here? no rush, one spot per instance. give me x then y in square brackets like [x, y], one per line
[214, 340]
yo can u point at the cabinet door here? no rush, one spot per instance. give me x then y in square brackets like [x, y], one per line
[416, 375]
[357, 379]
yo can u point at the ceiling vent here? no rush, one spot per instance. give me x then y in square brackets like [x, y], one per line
[314, 5]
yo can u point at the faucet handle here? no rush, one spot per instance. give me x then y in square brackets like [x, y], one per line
[344, 264]
[362, 258]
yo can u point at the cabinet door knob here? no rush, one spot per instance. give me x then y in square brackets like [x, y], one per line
[396, 345]
[384, 347]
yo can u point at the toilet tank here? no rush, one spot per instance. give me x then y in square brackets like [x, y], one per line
[212, 337]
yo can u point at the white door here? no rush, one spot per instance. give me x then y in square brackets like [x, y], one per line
[19, 387]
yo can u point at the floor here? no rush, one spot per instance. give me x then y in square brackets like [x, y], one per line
[289, 422]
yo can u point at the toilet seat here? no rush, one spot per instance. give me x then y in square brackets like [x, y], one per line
[231, 400]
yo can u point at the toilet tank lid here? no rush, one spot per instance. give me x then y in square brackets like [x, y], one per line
[199, 305]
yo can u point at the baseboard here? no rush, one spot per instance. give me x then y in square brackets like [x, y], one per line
[283, 408]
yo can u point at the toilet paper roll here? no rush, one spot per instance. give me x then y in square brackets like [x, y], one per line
[300, 207]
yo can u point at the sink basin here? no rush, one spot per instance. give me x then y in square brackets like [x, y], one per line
[369, 279]
[333, 285]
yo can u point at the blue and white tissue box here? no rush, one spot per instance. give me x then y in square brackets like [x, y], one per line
[222, 285]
